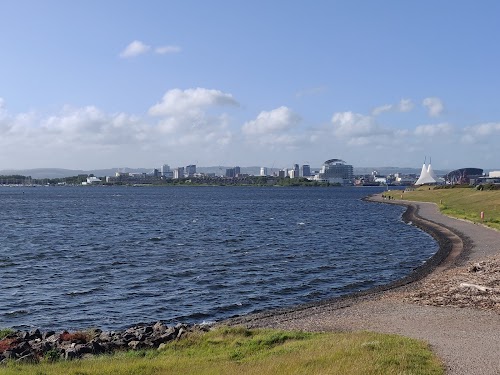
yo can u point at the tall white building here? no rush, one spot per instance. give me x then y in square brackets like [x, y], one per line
[263, 171]
[178, 173]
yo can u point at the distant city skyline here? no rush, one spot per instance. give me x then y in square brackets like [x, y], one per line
[90, 85]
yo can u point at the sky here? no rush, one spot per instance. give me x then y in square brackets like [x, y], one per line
[111, 84]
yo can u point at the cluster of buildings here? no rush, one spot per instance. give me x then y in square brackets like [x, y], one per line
[165, 172]
[333, 171]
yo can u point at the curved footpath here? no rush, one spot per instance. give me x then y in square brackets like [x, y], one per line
[466, 339]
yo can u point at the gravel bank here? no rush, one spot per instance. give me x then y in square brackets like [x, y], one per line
[461, 323]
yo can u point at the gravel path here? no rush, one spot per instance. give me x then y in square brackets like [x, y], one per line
[467, 339]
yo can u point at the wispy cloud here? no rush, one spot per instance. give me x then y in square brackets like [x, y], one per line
[163, 50]
[137, 48]
[404, 105]
[433, 130]
[134, 49]
[381, 109]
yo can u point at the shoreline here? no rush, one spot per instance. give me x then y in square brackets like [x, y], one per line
[452, 303]
[453, 246]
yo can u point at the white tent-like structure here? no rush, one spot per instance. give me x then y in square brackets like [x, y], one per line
[427, 175]
[430, 172]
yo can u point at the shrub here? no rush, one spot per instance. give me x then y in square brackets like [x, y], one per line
[52, 355]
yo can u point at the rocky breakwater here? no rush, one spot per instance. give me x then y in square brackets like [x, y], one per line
[35, 345]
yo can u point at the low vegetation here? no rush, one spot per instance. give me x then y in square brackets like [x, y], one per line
[243, 351]
[461, 202]
[5, 332]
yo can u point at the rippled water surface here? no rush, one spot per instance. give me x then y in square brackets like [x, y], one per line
[73, 258]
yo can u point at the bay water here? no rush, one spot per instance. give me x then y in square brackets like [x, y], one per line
[111, 257]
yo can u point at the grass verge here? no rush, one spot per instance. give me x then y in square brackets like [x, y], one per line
[243, 351]
[462, 203]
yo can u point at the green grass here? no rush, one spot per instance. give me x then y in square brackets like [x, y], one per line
[463, 203]
[5, 332]
[242, 351]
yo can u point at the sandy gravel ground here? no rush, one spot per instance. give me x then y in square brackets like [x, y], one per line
[456, 308]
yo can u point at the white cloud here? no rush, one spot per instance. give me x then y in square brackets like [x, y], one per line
[134, 49]
[90, 135]
[434, 106]
[269, 122]
[383, 108]
[434, 130]
[167, 49]
[190, 101]
[185, 118]
[482, 130]
[405, 105]
[349, 124]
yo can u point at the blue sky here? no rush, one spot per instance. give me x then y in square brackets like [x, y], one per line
[102, 84]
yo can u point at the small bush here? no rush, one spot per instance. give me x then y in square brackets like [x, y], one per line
[52, 355]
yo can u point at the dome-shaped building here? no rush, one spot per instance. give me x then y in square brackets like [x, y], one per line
[337, 171]
[462, 175]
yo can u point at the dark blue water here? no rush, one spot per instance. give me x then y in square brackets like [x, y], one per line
[72, 258]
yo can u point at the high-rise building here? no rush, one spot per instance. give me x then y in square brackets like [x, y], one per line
[165, 169]
[305, 170]
[191, 170]
[295, 171]
[263, 171]
[178, 173]
[233, 172]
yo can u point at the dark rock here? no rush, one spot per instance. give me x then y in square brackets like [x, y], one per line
[83, 349]
[105, 336]
[35, 334]
[47, 334]
[135, 345]
[70, 353]
[97, 348]
[159, 327]
[129, 337]
[22, 348]
[10, 354]
[29, 346]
